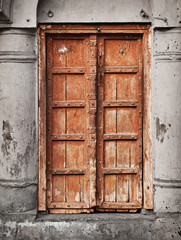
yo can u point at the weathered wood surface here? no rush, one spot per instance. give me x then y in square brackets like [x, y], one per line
[119, 161]
[76, 174]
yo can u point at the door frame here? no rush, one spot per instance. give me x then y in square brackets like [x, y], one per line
[145, 31]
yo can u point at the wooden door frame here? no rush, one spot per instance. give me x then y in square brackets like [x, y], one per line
[145, 31]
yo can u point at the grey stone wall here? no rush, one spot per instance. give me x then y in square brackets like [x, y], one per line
[19, 121]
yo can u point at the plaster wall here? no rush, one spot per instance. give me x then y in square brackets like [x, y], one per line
[19, 115]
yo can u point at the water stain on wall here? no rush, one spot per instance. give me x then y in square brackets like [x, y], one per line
[161, 129]
[7, 138]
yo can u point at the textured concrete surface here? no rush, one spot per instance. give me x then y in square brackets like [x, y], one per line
[94, 11]
[18, 121]
[19, 126]
[96, 226]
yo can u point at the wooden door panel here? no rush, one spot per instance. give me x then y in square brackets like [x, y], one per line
[58, 154]
[75, 121]
[127, 153]
[58, 121]
[120, 120]
[58, 87]
[120, 52]
[75, 154]
[75, 87]
[119, 182]
[109, 188]
[74, 189]
[110, 154]
[123, 188]
[120, 87]
[68, 53]
[71, 127]
[127, 120]
[71, 87]
[58, 188]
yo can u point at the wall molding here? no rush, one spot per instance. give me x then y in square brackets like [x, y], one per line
[24, 57]
[166, 183]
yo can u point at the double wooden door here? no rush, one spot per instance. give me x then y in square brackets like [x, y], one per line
[94, 122]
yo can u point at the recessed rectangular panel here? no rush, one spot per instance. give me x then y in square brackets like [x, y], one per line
[127, 88]
[127, 155]
[75, 120]
[120, 87]
[68, 53]
[110, 86]
[127, 120]
[58, 87]
[75, 87]
[110, 188]
[110, 154]
[58, 154]
[75, 53]
[58, 121]
[74, 188]
[123, 188]
[121, 52]
[58, 188]
[59, 53]
[75, 154]
[133, 189]
[110, 120]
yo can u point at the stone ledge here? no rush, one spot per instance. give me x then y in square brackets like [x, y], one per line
[43, 217]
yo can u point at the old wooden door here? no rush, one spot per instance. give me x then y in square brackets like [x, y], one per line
[71, 105]
[119, 146]
[89, 74]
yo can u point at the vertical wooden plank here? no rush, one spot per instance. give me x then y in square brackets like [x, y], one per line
[58, 188]
[75, 87]
[52, 119]
[110, 87]
[75, 120]
[72, 189]
[110, 154]
[91, 99]
[110, 188]
[58, 121]
[58, 154]
[100, 123]
[127, 86]
[58, 87]
[75, 154]
[127, 120]
[42, 121]
[110, 120]
[147, 156]
[122, 188]
[138, 195]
